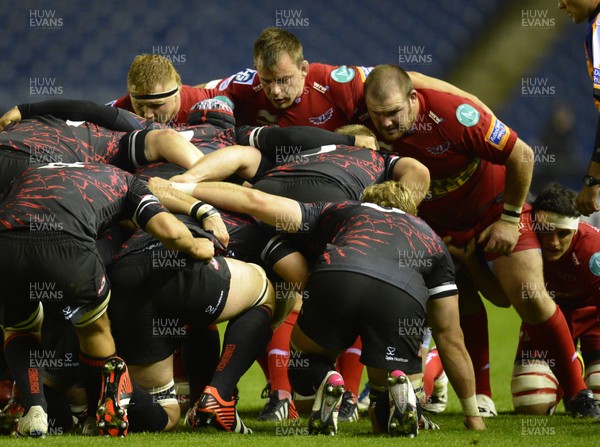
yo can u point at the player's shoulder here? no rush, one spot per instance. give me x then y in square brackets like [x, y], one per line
[242, 80]
[587, 239]
[337, 75]
[586, 249]
[124, 102]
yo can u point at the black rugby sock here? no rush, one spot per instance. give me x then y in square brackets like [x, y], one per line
[60, 419]
[307, 371]
[144, 413]
[379, 400]
[245, 339]
[200, 352]
[91, 377]
[24, 357]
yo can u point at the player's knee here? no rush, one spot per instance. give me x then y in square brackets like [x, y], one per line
[166, 397]
[266, 294]
[592, 379]
[534, 388]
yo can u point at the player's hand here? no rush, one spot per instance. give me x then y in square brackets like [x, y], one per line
[500, 237]
[202, 249]
[474, 423]
[587, 200]
[13, 115]
[365, 141]
[215, 224]
[182, 178]
[462, 254]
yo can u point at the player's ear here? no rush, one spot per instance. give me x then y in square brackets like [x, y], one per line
[304, 68]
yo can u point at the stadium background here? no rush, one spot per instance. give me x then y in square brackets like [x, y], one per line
[523, 58]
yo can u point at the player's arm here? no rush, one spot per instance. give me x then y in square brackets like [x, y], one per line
[587, 199]
[282, 213]
[182, 203]
[151, 216]
[414, 175]
[443, 317]
[501, 237]
[170, 145]
[270, 140]
[80, 110]
[176, 236]
[483, 278]
[218, 165]
[419, 81]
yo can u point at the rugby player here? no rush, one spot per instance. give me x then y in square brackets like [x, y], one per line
[480, 173]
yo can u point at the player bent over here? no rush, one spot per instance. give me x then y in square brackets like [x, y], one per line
[348, 271]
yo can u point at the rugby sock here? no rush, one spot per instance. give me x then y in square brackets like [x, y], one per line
[144, 413]
[21, 351]
[306, 376]
[201, 351]
[381, 410]
[349, 366]
[245, 338]
[433, 369]
[4, 370]
[60, 419]
[475, 332]
[91, 378]
[263, 362]
[554, 339]
[279, 354]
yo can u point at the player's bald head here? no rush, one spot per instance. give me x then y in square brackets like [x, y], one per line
[385, 79]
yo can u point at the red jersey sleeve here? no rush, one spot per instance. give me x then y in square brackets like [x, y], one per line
[587, 251]
[124, 102]
[344, 85]
[474, 130]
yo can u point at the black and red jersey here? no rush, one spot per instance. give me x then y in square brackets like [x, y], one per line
[351, 168]
[382, 243]
[78, 199]
[246, 239]
[47, 139]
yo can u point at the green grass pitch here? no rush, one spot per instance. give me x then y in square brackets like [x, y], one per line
[506, 430]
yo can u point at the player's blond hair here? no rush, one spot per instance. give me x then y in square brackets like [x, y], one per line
[272, 43]
[386, 78]
[391, 194]
[358, 129]
[148, 70]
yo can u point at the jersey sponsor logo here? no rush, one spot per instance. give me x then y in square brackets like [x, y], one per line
[436, 119]
[364, 72]
[595, 264]
[596, 76]
[437, 150]
[322, 119]
[74, 123]
[320, 88]
[343, 74]
[245, 77]
[467, 115]
[226, 83]
[212, 309]
[265, 117]
[257, 88]
[102, 285]
[498, 134]
[390, 354]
